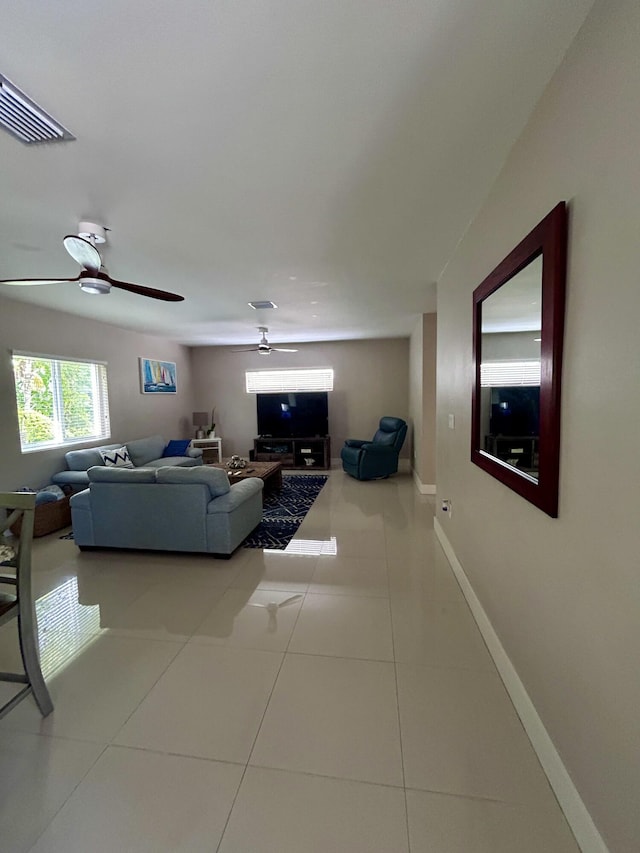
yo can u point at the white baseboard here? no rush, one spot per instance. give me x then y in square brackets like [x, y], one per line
[423, 488]
[403, 467]
[575, 811]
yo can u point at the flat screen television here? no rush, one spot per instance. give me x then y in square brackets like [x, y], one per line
[515, 410]
[300, 415]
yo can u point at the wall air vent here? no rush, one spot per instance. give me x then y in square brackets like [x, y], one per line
[25, 120]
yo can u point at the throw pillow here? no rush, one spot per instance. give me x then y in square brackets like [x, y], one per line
[176, 447]
[118, 458]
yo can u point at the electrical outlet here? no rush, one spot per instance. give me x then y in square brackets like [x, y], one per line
[452, 421]
[447, 507]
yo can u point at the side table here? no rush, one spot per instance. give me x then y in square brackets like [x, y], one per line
[209, 445]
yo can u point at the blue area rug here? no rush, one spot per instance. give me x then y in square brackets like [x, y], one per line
[283, 511]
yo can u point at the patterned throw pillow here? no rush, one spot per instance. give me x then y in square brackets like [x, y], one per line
[118, 458]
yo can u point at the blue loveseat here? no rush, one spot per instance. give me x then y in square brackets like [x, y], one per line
[144, 453]
[166, 509]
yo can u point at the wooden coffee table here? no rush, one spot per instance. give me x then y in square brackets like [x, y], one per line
[269, 472]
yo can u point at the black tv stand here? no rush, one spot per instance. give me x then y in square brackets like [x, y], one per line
[519, 451]
[294, 452]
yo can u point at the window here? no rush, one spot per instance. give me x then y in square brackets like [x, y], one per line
[60, 402]
[496, 374]
[273, 381]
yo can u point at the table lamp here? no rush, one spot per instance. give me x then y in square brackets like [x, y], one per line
[200, 420]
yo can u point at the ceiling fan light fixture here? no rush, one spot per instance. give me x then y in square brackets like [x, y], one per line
[95, 286]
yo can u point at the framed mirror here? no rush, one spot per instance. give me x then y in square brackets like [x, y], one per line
[518, 325]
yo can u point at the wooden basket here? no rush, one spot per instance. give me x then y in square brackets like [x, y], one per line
[48, 517]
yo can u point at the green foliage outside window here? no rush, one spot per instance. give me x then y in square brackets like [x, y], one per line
[77, 396]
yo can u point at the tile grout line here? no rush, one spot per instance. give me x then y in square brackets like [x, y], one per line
[284, 656]
[182, 647]
[71, 793]
[246, 767]
[257, 734]
[395, 673]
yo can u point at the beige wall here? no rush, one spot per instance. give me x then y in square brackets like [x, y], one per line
[422, 399]
[416, 346]
[133, 415]
[564, 595]
[516, 345]
[370, 380]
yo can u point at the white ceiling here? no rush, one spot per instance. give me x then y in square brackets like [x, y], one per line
[517, 305]
[325, 154]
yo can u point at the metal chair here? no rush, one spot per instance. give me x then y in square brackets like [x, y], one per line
[19, 605]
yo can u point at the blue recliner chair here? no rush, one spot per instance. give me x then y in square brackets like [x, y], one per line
[371, 460]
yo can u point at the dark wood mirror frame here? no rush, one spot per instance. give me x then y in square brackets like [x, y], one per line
[549, 239]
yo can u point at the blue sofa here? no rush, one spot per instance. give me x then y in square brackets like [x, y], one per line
[166, 509]
[144, 453]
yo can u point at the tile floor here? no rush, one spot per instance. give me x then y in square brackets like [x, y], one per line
[333, 697]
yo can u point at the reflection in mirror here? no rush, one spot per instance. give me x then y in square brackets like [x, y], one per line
[511, 324]
[518, 321]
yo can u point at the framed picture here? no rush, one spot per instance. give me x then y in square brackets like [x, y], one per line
[157, 377]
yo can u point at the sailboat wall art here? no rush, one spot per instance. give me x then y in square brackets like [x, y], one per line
[157, 377]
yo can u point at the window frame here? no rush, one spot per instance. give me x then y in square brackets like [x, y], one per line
[99, 399]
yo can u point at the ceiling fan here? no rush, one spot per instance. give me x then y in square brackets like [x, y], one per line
[94, 277]
[264, 347]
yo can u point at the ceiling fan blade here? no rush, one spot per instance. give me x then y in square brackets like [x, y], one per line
[141, 290]
[27, 282]
[250, 349]
[83, 252]
[283, 349]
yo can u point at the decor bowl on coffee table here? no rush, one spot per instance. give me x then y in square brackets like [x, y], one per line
[269, 472]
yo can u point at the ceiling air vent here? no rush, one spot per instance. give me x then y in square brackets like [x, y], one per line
[25, 120]
[263, 304]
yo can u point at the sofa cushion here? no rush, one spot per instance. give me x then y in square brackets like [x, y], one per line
[144, 450]
[177, 447]
[215, 478]
[71, 478]
[236, 496]
[104, 474]
[82, 460]
[178, 461]
[117, 458]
